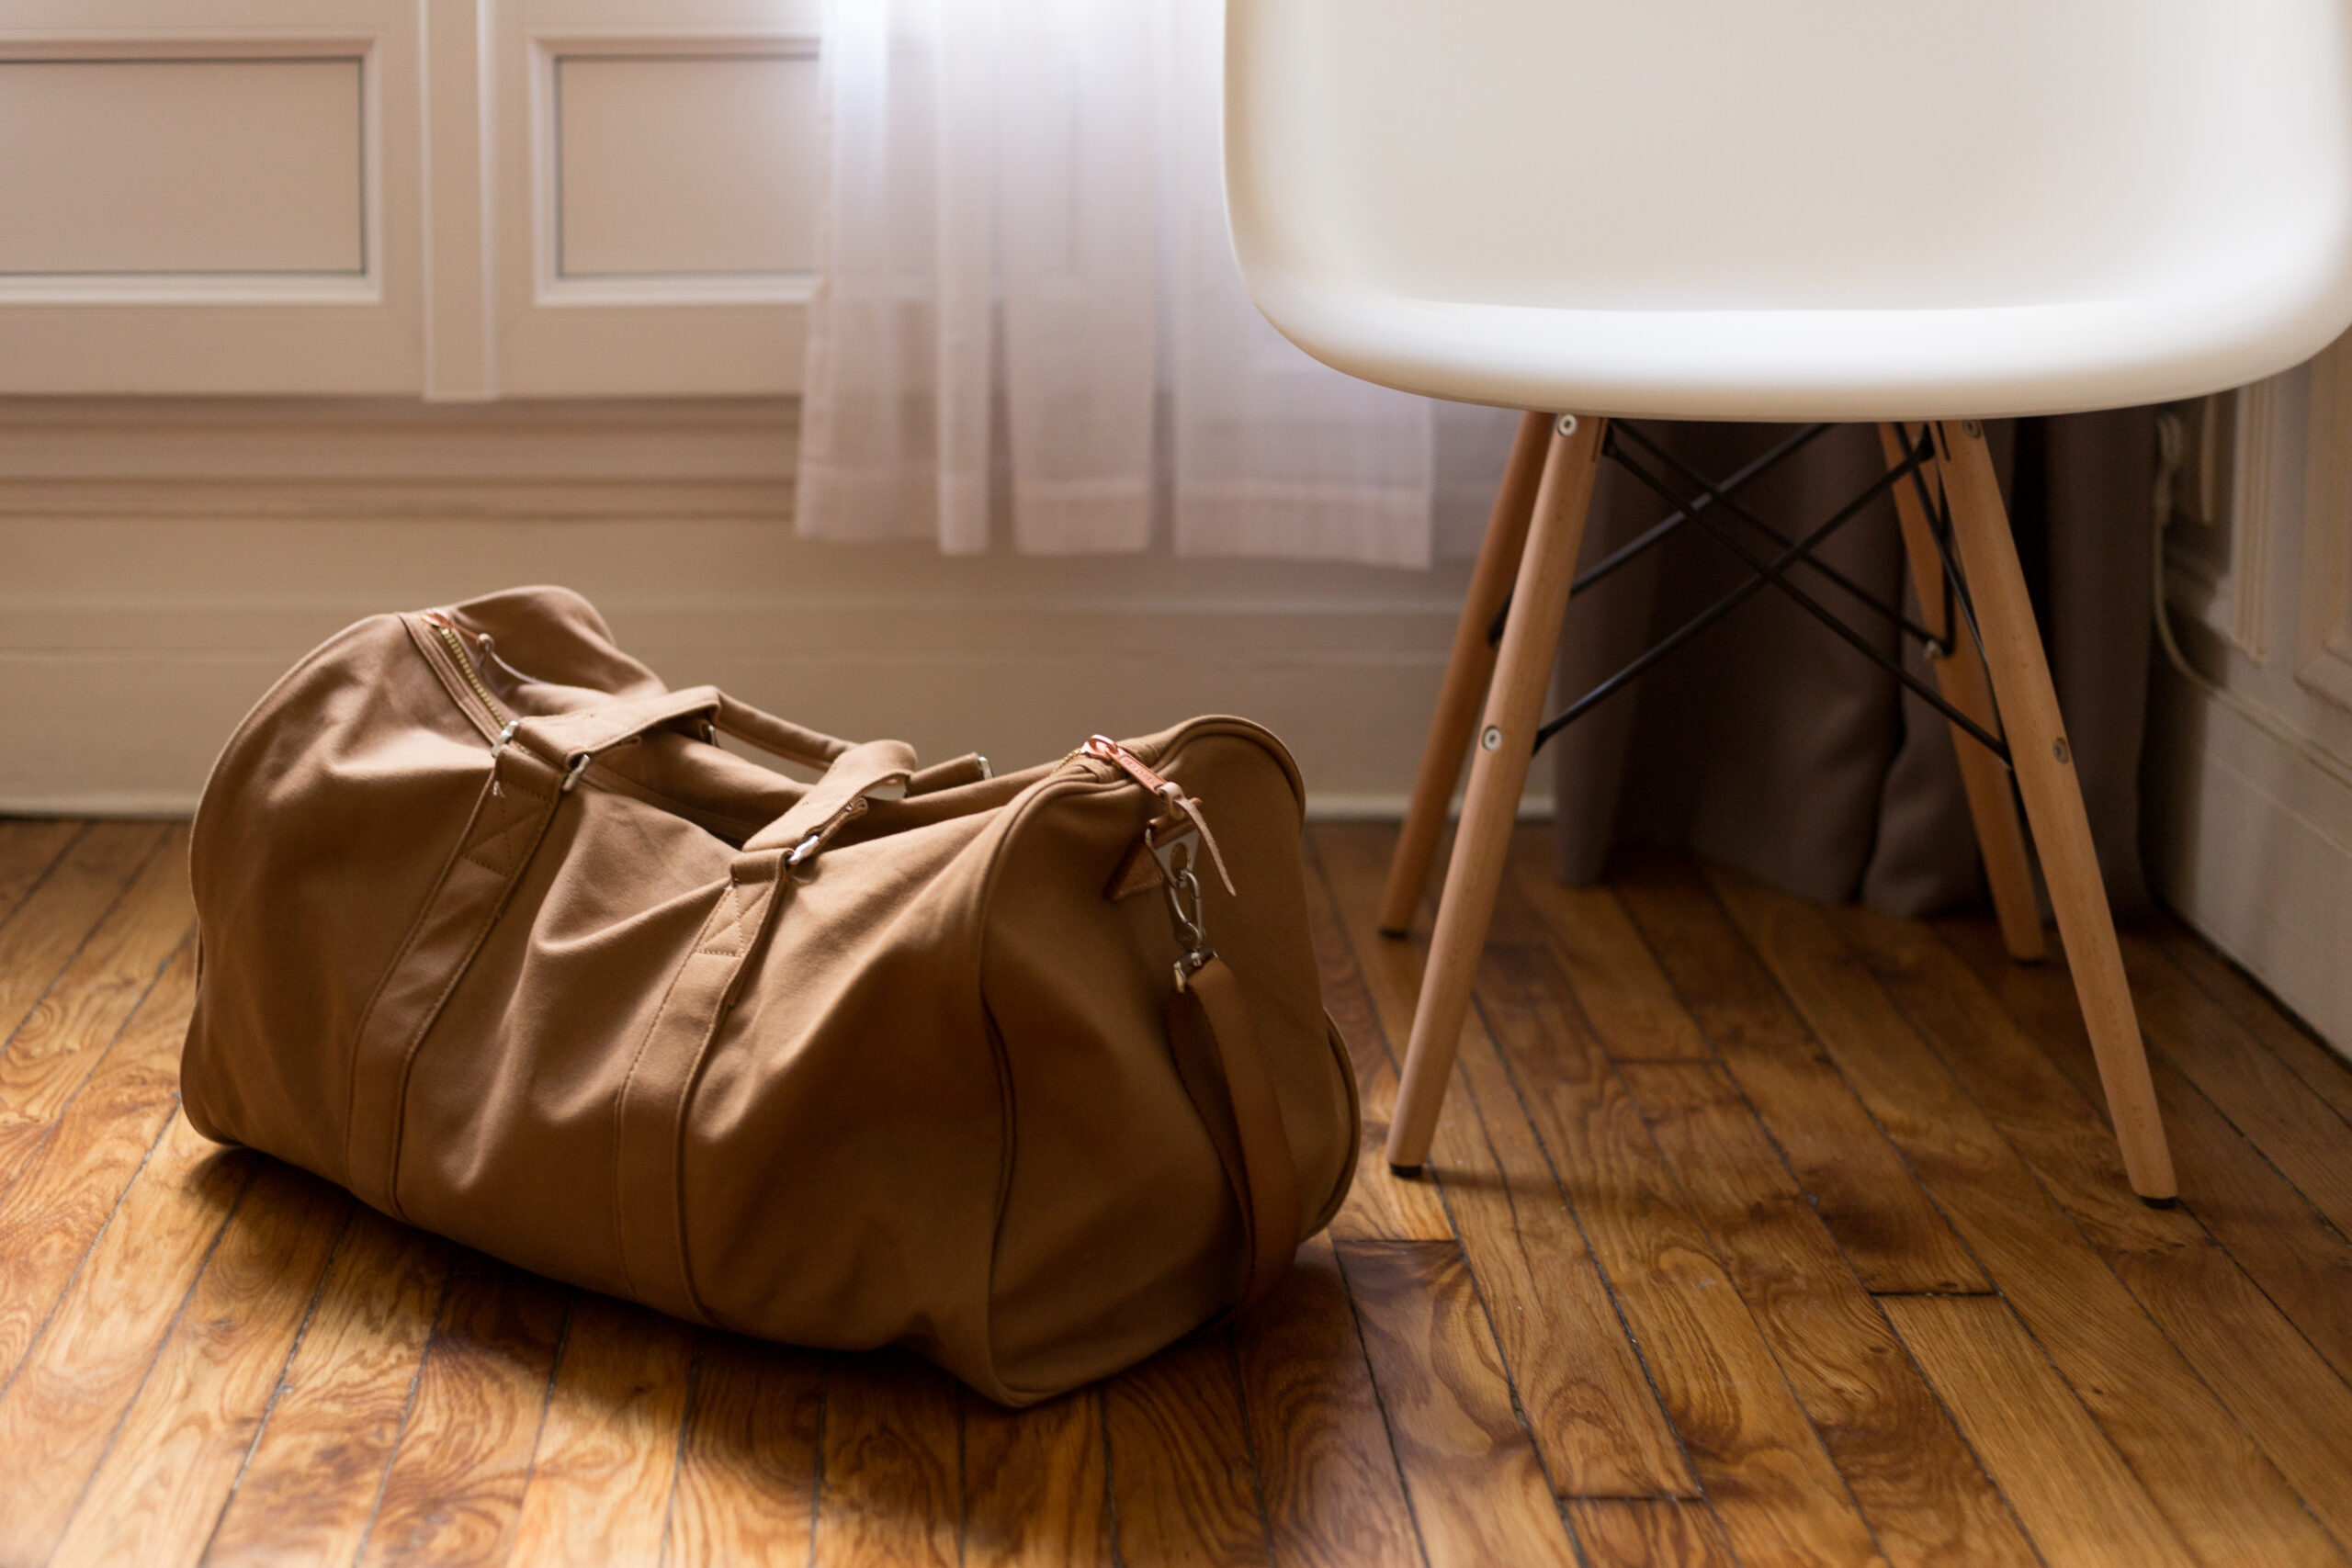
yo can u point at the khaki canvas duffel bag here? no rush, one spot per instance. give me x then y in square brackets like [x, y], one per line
[1002, 1070]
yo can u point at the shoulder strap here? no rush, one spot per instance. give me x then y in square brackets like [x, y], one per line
[1225, 1073]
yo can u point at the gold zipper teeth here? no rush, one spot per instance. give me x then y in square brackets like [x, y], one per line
[466, 667]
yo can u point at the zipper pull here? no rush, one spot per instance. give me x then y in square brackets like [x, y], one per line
[1102, 748]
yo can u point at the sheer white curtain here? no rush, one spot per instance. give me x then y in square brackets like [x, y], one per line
[1023, 261]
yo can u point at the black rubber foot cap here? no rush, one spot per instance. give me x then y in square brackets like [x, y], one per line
[2161, 1202]
[1406, 1172]
[1393, 936]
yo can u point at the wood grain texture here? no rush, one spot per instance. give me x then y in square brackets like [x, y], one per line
[1923, 1493]
[1869, 1199]
[1614, 975]
[2245, 1347]
[1497, 778]
[1477, 1488]
[1586, 1397]
[320, 1460]
[2296, 1131]
[1598, 1150]
[1371, 1002]
[1036, 1490]
[28, 847]
[2044, 762]
[458, 1473]
[1468, 668]
[69, 1392]
[2323, 1072]
[892, 1491]
[600, 1483]
[57, 1207]
[1184, 1485]
[1755, 1451]
[1334, 1497]
[2300, 1261]
[2083, 1503]
[71, 1028]
[2215, 1485]
[1961, 677]
[156, 1497]
[59, 914]
[1645, 1532]
[747, 1467]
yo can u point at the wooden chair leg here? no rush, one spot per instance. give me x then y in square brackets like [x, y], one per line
[1960, 675]
[1467, 671]
[1499, 767]
[2053, 802]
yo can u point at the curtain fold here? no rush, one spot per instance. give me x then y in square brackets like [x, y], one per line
[1769, 745]
[1027, 289]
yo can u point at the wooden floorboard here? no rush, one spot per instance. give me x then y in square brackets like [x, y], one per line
[1755, 1234]
[2284, 1245]
[455, 1484]
[2243, 1346]
[2085, 1507]
[2217, 1488]
[2323, 1072]
[1861, 1187]
[748, 1459]
[1476, 1486]
[1334, 1497]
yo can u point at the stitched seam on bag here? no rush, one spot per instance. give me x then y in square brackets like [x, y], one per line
[433, 1015]
[682, 1112]
[628, 1083]
[733, 928]
[383, 982]
[481, 846]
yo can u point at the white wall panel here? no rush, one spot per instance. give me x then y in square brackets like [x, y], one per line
[687, 164]
[2250, 792]
[182, 166]
[210, 197]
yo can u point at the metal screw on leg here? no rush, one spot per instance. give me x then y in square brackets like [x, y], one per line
[1565, 424]
[2058, 748]
[1491, 740]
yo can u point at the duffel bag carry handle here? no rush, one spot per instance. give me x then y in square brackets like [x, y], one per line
[563, 737]
[835, 800]
[1225, 1073]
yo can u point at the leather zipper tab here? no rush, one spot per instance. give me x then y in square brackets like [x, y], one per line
[1181, 807]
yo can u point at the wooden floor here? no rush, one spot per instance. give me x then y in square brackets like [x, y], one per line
[1760, 1232]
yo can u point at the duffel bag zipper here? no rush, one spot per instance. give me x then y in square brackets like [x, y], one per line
[464, 659]
[454, 642]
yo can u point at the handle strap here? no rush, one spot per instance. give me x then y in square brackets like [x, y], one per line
[559, 738]
[836, 798]
[1225, 1073]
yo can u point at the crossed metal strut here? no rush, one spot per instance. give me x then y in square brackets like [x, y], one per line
[1712, 501]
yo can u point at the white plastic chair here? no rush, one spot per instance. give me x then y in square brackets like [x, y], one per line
[1827, 209]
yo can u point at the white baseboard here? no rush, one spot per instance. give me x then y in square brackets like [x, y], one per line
[2253, 846]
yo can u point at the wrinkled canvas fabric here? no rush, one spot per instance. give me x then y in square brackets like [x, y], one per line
[496, 936]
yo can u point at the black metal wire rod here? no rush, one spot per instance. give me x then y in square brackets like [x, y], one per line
[1692, 627]
[1892, 612]
[1772, 572]
[1650, 536]
[1938, 508]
